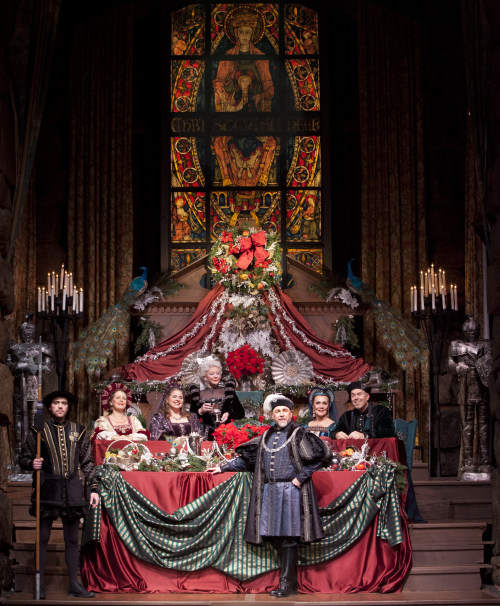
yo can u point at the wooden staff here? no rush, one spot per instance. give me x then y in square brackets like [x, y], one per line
[38, 424]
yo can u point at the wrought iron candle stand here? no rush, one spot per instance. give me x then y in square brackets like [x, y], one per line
[434, 323]
[61, 314]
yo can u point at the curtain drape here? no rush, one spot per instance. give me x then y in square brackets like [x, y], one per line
[100, 209]
[393, 201]
[475, 30]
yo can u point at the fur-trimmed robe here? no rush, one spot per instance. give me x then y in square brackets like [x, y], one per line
[304, 449]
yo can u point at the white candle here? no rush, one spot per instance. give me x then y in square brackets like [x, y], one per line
[61, 283]
[422, 302]
[444, 281]
[421, 279]
[443, 299]
[52, 301]
[64, 299]
[39, 300]
[48, 281]
[53, 281]
[43, 298]
[70, 286]
[411, 299]
[81, 301]
[433, 296]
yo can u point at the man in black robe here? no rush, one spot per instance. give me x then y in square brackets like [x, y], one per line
[367, 420]
[65, 447]
[283, 506]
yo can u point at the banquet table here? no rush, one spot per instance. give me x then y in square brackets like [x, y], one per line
[370, 564]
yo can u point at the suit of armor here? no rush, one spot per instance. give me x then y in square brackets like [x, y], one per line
[470, 360]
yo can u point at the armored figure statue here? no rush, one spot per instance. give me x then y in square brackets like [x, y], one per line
[470, 360]
[24, 362]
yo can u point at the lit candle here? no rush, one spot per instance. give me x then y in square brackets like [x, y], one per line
[64, 299]
[70, 278]
[432, 273]
[422, 302]
[444, 281]
[43, 298]
[61, 284]
[52, 301]
[433, 297]
[411, 299]
[80, 306]
[53, 282]
[48, 281]
[443, 299]
[75, 300]
[421, 279]
[39, 301]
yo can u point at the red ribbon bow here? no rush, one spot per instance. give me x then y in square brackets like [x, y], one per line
[252, 248]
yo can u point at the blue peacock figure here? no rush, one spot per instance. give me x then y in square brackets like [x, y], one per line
[95, 343]
[404, 341]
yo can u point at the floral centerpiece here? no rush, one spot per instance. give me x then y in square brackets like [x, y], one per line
[249, 261]
[230, 436]
[244, 361]
[355, 459]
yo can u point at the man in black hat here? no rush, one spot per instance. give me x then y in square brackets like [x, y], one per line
[65, 446]
[367, 420]
[283, 506]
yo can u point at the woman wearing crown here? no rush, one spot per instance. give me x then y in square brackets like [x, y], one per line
[116, 398]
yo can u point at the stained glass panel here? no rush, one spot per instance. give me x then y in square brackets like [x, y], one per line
[187, 85]
[188, 30]
[231, 209]
[312, 258]
[303, 215]
[245, 161]
[181, 258]
[185, 162]
[226, 19]
[304, 162]
[304, 77]
[187, 217]
[301, 30]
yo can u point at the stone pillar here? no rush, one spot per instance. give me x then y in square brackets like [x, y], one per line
[493, 273]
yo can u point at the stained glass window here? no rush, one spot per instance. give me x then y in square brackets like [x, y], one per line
[244, 124]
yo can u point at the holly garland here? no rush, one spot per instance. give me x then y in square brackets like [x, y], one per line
[246, 261]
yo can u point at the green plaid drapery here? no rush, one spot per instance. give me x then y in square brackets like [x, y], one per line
[209, 530]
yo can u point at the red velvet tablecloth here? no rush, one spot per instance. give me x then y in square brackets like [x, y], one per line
[370, 565]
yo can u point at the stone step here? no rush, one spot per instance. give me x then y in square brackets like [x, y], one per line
[25, 531]
[441, 555]
[456, 533]
[419, 471]
[56, 578]
[434, 498]
[20, 510]
[470, 509]
[444, 578]
[24, 553]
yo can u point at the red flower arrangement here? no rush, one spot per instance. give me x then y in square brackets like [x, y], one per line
[244, 361]
[246, 261]
[231, 436]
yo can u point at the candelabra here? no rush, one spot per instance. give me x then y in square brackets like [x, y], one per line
[432, 310]
[61, 303]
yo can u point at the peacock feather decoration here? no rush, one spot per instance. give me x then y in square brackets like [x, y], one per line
[96, 342]
[404, 341]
